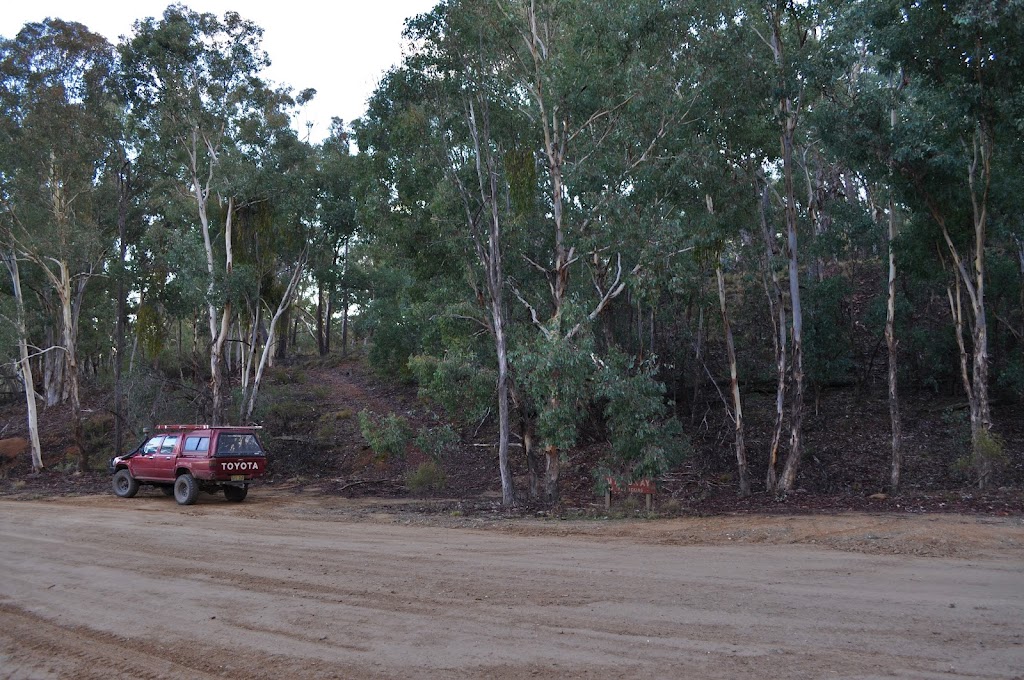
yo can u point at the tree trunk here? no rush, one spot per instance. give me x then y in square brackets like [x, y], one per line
[956, 309]
[490, 258]
[551, 474]
[53, 371]
[507, 488]
[698, 359]
[71, 364]
[890, 341]
[737, 404]
[216, 373]
[268, 348]
[24, 364]
[974, 283]
[528, 430]
[281, 339]
[123, 197]
[788, 480]
[344, 323]
[777, 310]
[788, 112]
[328, 325]
[321, 340]
[218, 338]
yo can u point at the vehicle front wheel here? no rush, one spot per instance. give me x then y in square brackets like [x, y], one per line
[186, 489]
[125, 486]
[236, 494]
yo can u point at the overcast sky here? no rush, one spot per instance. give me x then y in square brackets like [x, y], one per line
[340, 48]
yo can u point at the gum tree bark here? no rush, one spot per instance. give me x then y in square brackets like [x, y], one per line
[777, 308]
[24, 364]
[890, 341]
[734, 385]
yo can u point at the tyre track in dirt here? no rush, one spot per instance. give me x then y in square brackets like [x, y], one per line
[111, 588]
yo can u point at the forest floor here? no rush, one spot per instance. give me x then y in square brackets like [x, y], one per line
[333, 567]
[310, 415]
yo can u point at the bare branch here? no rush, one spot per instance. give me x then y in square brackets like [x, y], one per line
[533, 311]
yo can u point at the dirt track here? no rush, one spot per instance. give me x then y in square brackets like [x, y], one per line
[304, 587]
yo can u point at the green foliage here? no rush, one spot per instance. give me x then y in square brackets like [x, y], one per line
[150, 329]
[98, 436]
[281, 415]
[646, 441]
[1012, 376]
[556, 375]
[387, 437]
[428, 477]
[828, 346]
[284, 375]
[456, 382]
[521, 167]
[436, 442]
[988, 453]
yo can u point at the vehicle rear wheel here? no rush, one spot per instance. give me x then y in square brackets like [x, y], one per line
[236, 494]
[186, 489]
[125, 486]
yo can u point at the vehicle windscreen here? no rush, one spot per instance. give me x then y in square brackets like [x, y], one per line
[238, 445]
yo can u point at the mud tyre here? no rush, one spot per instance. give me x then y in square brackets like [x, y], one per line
[186, 489]
[236, 494]
[125, 486]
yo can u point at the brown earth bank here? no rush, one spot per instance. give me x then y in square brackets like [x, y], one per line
[311, 429]
[302, 584]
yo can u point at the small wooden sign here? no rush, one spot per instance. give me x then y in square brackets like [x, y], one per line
[644, 486]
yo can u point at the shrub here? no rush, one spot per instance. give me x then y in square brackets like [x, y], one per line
[428, 477]
[457, 382]
[387, 438]
[646, 441]
[437, 441]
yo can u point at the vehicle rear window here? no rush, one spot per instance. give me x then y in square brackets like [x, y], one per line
[197, 443]
[238, 445]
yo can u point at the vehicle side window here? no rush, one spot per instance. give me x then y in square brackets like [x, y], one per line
[153, 445]
[170, 443]
[197, 443]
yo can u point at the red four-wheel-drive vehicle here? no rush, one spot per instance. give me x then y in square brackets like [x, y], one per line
[183, 460]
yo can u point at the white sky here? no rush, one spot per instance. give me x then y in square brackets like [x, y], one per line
[340, 48]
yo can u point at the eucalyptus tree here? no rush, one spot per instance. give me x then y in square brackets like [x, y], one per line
[765, 62]
[20, 328]
[337, 174]
[59, 125]
[496, 123]
[277, 230]
[603, 84]
[955, 150]
[194, 86]
[857, 121]
[451, 77]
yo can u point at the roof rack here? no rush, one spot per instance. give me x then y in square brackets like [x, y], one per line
[191, 426]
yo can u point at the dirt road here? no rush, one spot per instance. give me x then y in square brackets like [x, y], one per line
[301, 587]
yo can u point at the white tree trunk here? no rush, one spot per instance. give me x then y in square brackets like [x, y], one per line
[24, 363]
[268, 348]
[890, 340]
[734, 384]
